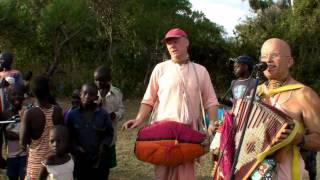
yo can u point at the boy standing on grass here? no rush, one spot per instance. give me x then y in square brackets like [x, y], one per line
[59, 164]
[17, 159]
[91, 133]
[243, 85]
[7, 76]
[110, 98]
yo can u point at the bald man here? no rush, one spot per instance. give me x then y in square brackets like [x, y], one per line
[301, 104]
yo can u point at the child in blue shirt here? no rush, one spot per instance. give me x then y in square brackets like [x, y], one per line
[91, 133]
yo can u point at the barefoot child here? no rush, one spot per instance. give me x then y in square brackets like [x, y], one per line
[59, 164]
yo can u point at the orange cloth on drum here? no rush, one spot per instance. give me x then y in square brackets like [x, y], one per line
[175, 152]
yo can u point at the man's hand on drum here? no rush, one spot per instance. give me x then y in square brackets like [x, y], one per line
[131, 124]
[213, 127]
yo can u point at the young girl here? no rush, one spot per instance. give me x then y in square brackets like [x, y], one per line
[36, 124]
[58, 165]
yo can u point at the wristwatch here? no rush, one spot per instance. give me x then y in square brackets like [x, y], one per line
[303, 141]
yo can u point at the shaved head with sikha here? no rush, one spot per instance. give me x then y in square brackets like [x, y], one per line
[298, 101]
[277, 54]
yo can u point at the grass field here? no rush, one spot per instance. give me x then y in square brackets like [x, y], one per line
[129, 168]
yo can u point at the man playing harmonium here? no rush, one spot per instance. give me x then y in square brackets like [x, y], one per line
[294, 99]
[285, 119]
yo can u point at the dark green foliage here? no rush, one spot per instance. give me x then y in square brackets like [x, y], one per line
[70, 38]
[298, 24]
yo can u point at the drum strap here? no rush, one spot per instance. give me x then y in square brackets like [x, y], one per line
[201, 124]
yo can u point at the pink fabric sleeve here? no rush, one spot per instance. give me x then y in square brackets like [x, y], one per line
[208, 94]
[150, 96]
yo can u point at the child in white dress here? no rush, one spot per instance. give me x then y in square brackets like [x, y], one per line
[59, 164]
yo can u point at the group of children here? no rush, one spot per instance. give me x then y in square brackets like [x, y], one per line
[49, 144]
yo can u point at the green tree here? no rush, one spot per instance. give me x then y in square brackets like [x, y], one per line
[69, 38]
[297, 24]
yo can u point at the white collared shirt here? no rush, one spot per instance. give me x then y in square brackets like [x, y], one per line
[112, 102]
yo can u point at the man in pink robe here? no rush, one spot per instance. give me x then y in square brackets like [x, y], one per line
[173, 92]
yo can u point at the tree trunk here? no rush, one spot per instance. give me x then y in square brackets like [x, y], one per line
[155, 57]
[57, 49]
[56, 52]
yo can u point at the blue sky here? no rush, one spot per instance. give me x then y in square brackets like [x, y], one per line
[226, 13]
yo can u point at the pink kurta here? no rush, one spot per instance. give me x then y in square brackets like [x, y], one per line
[173, 90]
